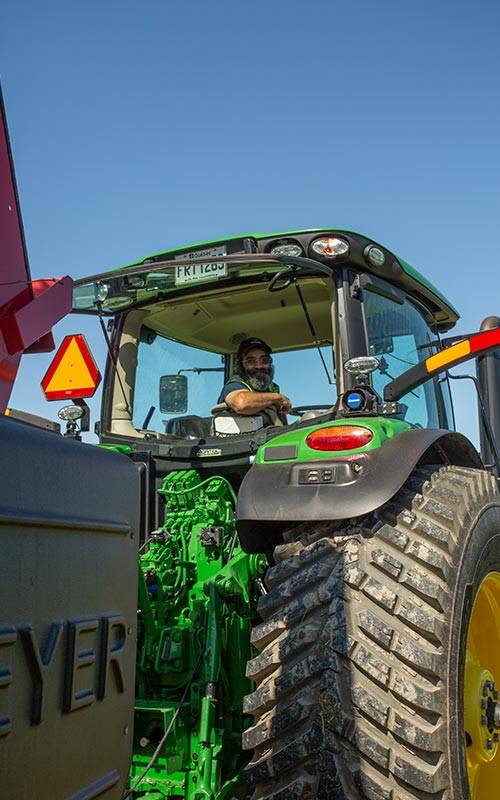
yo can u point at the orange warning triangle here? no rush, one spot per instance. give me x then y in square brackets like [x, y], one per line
[73, 372]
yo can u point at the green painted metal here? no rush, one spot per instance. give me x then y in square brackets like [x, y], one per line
[125, 449]
[382, 428]
[197, 599]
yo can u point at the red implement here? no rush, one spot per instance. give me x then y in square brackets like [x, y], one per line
[28, 310]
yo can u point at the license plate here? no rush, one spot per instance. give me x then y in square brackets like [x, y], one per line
[192, 273]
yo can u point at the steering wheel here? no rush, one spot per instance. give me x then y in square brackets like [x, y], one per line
[297, 411]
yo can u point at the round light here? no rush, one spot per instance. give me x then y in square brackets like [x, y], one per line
[330, 246]
[109, 301]
[374, 256]
[354, 400]
[286, 247]
[339, 437]
[362, 365]
[102, 291]
[70, 413]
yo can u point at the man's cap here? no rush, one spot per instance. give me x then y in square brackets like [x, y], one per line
[249, 344]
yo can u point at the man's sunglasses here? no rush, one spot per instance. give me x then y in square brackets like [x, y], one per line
[254, 362]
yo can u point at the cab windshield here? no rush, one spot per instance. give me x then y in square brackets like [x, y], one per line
[299, 374]
[185, 351]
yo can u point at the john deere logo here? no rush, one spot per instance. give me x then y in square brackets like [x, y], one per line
[207, 452]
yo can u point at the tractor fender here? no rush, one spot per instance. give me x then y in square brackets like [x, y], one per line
[273, 496]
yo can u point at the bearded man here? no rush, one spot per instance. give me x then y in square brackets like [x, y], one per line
[251, 389]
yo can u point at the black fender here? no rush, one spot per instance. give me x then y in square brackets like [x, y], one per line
[273, 496]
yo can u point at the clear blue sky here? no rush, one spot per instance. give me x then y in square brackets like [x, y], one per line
[138, 126]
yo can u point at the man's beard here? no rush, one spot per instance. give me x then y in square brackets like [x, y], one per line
[258, 379]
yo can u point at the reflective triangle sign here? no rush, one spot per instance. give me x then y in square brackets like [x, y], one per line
[73, 372]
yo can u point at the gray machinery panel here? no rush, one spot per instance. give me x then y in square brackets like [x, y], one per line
[68, 607]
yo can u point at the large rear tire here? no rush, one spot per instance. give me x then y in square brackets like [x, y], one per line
[367, 643]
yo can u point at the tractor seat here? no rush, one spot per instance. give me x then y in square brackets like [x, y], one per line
[227, 423]
[315, 414]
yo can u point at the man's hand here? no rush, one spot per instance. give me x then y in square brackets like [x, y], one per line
[285, 405]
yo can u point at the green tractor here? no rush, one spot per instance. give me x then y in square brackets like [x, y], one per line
[319, 593]
[316, 612]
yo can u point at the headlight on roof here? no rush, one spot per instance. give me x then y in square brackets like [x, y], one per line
[330, 246]
[286, 247]
[374, 255]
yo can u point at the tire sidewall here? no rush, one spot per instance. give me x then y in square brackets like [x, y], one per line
[480, 555]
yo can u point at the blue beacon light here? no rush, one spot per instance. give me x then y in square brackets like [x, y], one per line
[354, 400]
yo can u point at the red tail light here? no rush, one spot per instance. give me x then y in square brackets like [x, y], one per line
[339, 437]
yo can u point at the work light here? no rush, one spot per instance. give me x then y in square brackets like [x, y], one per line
[286, 247]
[374, 256]
[361, 365]
[102, 291]
[330, 246]
[70, 413]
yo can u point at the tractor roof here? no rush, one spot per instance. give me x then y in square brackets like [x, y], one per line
[395, 268]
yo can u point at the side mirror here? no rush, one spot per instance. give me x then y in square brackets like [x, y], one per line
[173, 394]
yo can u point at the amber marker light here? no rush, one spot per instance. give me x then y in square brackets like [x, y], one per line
[339, 437]
[445, 357]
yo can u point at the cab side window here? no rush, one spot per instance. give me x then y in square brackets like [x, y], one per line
[399, 337]
[158, 356]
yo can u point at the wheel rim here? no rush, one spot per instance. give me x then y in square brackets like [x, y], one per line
[482, 691]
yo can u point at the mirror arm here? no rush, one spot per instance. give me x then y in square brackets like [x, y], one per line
[85, 418]
[147, 418]
[198, 370]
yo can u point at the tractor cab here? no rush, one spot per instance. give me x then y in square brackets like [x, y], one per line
[318, 298]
